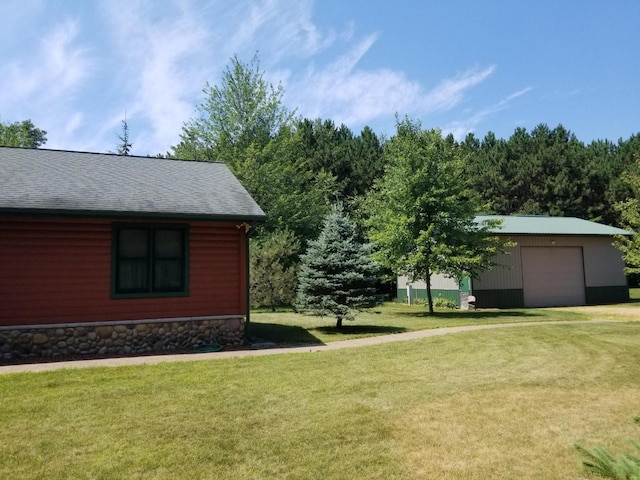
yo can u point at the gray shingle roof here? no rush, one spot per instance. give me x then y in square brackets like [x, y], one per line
[542, 225]
[54, 181]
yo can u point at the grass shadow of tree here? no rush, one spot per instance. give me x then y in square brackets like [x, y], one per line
[472, 315]
[361, 330]
[281, 334]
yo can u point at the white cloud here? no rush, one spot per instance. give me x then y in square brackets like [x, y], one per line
[58, 67]
[43, 84]
[356, 96]
[170, 57]
[461, 128]
[450, 92]
[152, 63]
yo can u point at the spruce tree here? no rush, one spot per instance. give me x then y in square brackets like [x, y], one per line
[337, 275]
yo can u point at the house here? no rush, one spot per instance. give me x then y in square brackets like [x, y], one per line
[556, 261]
[107, 254]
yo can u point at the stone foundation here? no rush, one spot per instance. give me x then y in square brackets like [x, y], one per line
[118, 338]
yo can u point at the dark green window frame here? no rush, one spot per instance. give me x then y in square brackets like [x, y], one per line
[149, 260]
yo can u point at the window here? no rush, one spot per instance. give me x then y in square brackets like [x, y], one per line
[149, 260]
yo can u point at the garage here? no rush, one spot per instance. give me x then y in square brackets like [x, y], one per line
[548, 261]
[553, 276]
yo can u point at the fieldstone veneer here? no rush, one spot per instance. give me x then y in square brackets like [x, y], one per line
[118, 338]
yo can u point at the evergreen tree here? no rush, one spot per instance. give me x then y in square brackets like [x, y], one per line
[124, 146]
[337, 276]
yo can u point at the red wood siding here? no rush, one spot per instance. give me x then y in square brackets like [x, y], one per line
[59, 271]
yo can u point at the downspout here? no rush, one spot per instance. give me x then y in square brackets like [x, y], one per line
[250, 230]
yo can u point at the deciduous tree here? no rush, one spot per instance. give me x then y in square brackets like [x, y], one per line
[421, 219]
[273, 269]
[244, 109]
[22, 134]
[629, 210]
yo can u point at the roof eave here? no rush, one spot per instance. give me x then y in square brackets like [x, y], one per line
[131, 214]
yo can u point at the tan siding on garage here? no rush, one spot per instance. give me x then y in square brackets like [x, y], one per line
[438, 282]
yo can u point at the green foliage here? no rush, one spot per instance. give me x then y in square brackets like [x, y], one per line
[355, 161]
[629, 211]
[337, 275]
[21, 134]
[279, 179]
[549, 172]
[442, 302]
[420, 216]
[600, 462]
[242, 123]
[243, 110]
[273, 269]
[438, 302]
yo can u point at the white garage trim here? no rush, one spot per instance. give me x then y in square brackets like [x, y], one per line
[553, 276]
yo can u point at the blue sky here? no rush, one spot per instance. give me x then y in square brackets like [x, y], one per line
[76, 67]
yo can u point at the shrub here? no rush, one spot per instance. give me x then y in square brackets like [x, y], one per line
[442, 302]
[438, 302]
[602, 463]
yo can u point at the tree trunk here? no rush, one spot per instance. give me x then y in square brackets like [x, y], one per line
[427, 279]
[338, 322]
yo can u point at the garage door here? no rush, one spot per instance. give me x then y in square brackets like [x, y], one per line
[552, 276]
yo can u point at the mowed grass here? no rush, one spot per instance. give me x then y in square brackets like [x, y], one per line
[498, 404]
[288, 327]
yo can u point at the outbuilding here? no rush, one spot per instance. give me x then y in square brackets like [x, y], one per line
[107, 254]
[556, 261]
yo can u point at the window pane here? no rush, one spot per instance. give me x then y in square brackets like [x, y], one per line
[168, 243]
[132, 276]
[167, 276]
[133, 243]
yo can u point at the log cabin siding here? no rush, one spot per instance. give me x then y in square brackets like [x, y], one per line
[58, 270]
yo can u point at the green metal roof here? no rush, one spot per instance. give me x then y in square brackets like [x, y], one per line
[543, 225]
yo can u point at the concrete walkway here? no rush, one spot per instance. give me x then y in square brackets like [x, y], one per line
[192, 357]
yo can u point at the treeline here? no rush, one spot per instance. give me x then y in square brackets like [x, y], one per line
[297, 168]
[550, 172]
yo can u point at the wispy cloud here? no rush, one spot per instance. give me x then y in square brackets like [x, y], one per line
[358, 96]
[80, 77]
[58, 67]
[169, 58]
[450, 92]
[461, 128]
[44, 84]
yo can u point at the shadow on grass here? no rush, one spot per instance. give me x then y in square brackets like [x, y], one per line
[361, 330]
[467, 315]
[281, 334]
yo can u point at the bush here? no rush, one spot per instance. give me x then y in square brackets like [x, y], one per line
[602, 463]
[438, 302]
[442, 302]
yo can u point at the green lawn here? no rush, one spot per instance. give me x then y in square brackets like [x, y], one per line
[492, 404]
[287, 327]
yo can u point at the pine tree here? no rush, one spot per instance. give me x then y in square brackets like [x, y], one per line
[124, 146]
[337, 275]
